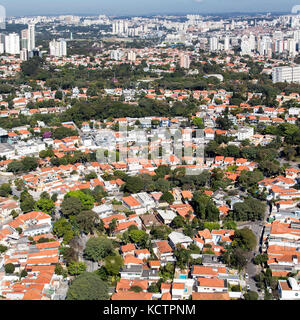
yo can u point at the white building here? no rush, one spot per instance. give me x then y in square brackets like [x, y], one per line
[245, 133]
[12, 43]
[31, 36]
[179, 238]
[213, 44]
[24, 54]
[291, 47]
[166, 216]
[116, 54]
[120, 27]
[289, 289]
[131, 56]
[185, 61]
[58, 48]
[245, 46]
[226, 43]
[286, 74]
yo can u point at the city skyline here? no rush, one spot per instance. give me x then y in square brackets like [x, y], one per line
[144, 7]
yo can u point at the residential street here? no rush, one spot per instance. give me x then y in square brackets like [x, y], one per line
[251, 269]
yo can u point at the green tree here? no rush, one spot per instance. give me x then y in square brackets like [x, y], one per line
[244, 239]
[87, 200]
[251, 209]
[9, 268]
[88, 286]
[162, 171]
[29, 164]
[98, 248]
[168, 197]
[136, 289]
[198, 122]
[45, 205]
[63, 228]
[15, 167]
[75, 268]
[86, 221]
[23, 273]
[139, 237]
[90, 176]
[27, 202]
[113, 264]
[229, 224]
[235, 258]
[5, 190]
[71, 206]
[260, 259]
[134, 185]
[251, 295]
[178, 222]
[112, 226]
[3, 248]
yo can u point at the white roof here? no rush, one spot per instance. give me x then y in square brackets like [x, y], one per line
[178, 237]
[167, 214]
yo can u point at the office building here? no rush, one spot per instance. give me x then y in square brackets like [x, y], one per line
[185, 61]
[213, 44]
[131, 56]
[286, 74]
[31, 36]
[24, 39]
[58, 48]
[12, 43]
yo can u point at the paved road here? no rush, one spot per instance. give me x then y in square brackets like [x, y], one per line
[251, 268]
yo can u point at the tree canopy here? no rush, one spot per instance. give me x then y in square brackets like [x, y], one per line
[88, 286]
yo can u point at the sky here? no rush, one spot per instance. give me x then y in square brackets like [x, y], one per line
[142, 7]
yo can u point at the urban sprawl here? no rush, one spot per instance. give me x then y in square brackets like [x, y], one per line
[150, 158]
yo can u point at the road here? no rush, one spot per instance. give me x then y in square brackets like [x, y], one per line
[252, 269]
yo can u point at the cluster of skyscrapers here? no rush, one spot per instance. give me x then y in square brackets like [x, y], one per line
[25, 45]
[12, 44]
[265, 45]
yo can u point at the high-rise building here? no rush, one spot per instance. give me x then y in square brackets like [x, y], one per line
[12, 43]
[58, 48]
[2, 43]
[279, 46]
[31, 36]
[116, 54]
[131, 56]
[24, 39]
[120, 27]
[263, 46]
[226, 43]
[185, 61]
[213, 44]
[245, 45]
[286, 74]
[24, 54]
[291, 47]
[252, 42]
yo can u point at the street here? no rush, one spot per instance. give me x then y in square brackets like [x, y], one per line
[251, 269]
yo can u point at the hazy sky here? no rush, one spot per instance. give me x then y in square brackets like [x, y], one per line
[125, 7]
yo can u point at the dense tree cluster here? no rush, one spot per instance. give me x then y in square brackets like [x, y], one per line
[87, 286]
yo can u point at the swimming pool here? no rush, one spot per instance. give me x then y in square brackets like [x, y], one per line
[182, 276]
